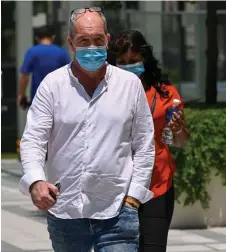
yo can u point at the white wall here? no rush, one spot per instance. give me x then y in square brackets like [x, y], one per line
[196, 217]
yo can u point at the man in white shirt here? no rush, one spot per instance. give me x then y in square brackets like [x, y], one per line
[99, 130]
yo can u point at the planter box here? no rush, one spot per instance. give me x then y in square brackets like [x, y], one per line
[196, 217]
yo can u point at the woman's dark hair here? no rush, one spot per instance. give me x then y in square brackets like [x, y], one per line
[135, 41]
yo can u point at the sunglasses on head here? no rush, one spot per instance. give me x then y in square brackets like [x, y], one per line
[83, 10]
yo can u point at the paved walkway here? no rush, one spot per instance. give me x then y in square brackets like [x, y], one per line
[24, 227]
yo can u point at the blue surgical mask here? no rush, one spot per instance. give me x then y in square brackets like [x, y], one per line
[91, 58]
[137, 68]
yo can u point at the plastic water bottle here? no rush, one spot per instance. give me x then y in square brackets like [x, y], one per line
[167, 134]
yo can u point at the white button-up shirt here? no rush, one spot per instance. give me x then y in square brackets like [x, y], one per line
[100, 148]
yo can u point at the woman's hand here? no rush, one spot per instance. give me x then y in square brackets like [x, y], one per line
[179, 129]
[177, 122]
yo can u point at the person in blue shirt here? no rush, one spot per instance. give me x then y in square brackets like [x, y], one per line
[40, 60]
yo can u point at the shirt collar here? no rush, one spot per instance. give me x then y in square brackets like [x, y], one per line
[106, 77]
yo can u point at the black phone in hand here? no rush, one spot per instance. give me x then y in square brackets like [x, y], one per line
[58, 185]
[24, 102]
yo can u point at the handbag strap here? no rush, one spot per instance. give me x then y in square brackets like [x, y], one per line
[153, 104]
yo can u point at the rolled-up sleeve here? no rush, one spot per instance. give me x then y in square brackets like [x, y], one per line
[143, 149]
[33, 146]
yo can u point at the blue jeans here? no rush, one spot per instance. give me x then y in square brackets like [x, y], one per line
[117, 234]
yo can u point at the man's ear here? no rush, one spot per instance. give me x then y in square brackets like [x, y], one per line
[108, 38]
[69, 40]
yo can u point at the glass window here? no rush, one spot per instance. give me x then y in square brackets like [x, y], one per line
[8, 35]
[132, 5]
[222, 47]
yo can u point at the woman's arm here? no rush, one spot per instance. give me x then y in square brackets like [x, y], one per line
[181, 138]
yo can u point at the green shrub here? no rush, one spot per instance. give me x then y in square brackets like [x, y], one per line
[204, 154]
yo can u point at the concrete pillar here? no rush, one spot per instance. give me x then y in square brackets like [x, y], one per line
[24, 40]
[200, 55]
[152, 21]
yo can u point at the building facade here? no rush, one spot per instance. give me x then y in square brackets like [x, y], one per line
[177, 34]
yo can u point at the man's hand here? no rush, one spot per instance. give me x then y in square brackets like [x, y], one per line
[22, 101]
[40, 194]
[19, 98]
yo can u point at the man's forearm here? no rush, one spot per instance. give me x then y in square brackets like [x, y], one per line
[23, 84]
[143, 150]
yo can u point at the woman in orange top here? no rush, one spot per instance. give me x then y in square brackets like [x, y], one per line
[131, 52]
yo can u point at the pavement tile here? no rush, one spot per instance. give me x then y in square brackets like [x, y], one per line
[12, 167]
[27, 233]
[218, 247]
[177, 237]
[219, 230]
[219, 236]
[6, 247]
[188, 248]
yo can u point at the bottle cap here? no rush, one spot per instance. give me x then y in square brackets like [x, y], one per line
[176, 101]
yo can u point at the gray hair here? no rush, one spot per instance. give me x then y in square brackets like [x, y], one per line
[73, 19]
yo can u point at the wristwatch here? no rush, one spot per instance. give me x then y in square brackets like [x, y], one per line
[132, 201]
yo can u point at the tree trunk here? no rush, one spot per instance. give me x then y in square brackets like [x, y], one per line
[211, 53]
